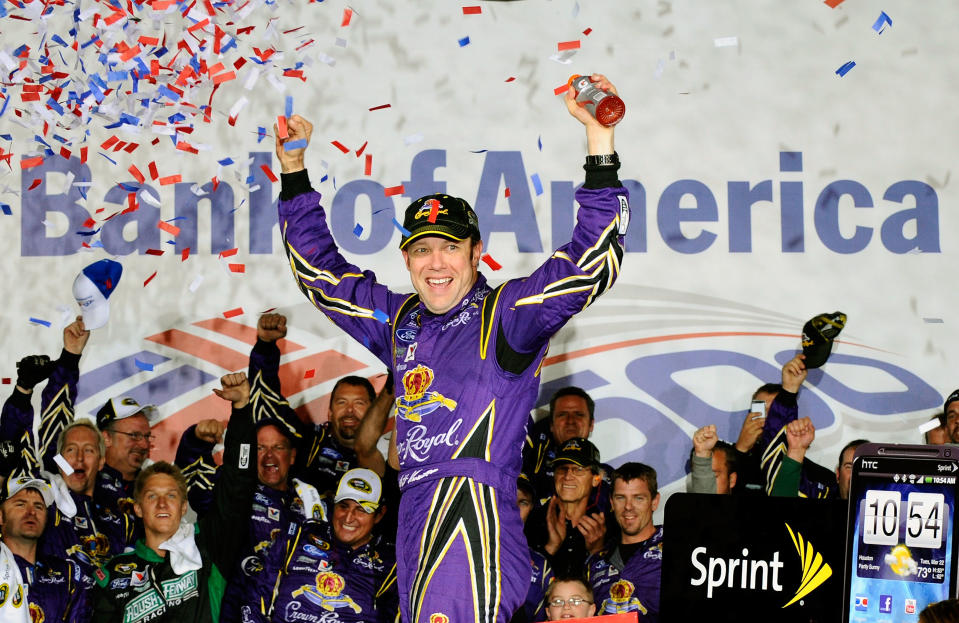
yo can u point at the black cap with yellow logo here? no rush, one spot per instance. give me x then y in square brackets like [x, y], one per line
[440, 215]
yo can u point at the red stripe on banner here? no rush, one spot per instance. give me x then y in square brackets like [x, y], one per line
[217, 354]
[243, 333]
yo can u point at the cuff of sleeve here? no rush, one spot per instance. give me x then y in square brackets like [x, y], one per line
[786, 398]
[266, 348]
[293, 184]
[69, 360]
[703, 461]
[20, 400]
[602, 175]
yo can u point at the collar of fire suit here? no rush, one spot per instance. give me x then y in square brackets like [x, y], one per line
[143, 551]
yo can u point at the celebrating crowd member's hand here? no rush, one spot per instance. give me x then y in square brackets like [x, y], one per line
[31, 370]
[235, 388]
[593, 528]
[704, 440]
[297, 128]
[794, 373]
[271, 327]
[750, 432]
[599, 138]
[799, 436]
[555, 525]
[75, 336]
[210, 431]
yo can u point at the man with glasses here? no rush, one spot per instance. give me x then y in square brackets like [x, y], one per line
[125, 426]
[569, 597]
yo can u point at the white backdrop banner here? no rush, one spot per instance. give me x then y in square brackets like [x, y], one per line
[766, 188]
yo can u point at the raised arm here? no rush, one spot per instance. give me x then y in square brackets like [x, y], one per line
[226, 522]
[351, 298]
[585, 267]
[60, 393]
[266, 394]
[371, 427]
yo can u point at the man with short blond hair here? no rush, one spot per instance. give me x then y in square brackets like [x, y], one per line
[177, 570]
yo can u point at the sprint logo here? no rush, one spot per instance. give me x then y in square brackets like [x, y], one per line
[751, 574]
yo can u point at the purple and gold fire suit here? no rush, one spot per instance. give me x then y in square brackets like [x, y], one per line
[630, 585]
[465, 383]
[308, 576]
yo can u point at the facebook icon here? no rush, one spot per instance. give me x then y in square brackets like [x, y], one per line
[885, 603]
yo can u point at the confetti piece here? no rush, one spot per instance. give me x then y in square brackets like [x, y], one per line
[237, 268]
[434, 210]
[561, 90]
[587, 31]
[393, 190]
[726, 42]
[45, 323]
[63, 465]
[368, 167]
[309, 374]
[537, 184]
[238, 311]
[135, 172]
[195, 284]
[173, 230]
[881, 22]
[832, 4]
[281, 129]
[156, 252]
[149, 279]
[381, 316]
[510, 79]
[171, 179]
[925, 427]
[6, 209]
[269, 173]
[340, 146]
[289, 106]
[406, 233]
[506, 192]
[358, 230]
[489, 261]
[29, 163]
[472, 10]
[933, 320]
[146, 367]
[184, 254]
[228, 253]
[299, 143]
[380, 107]
[568, 45]
[347, 16]
[465, 41]
[842, 71]
[362, 149]
[539, 143]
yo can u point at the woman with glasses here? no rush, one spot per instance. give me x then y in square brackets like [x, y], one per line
[569, 598]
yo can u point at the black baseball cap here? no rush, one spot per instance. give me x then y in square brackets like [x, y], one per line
[121, 408]
[579, 451]
[453, 219]
[954, 396]
[817, 337]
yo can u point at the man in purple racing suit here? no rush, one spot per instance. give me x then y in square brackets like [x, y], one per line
[466, 359]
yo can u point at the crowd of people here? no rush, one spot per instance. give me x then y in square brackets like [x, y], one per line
[476, 513]
[298, 520]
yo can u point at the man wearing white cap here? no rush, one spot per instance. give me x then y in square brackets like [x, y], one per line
[125, 426]
[340, 567]
[35, 587]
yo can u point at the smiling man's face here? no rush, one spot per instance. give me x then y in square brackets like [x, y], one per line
[161, 505]
[442, 271]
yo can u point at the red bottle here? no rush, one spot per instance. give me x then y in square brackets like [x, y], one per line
[605, 106]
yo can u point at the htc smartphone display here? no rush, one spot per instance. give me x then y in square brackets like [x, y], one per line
[900, 547]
